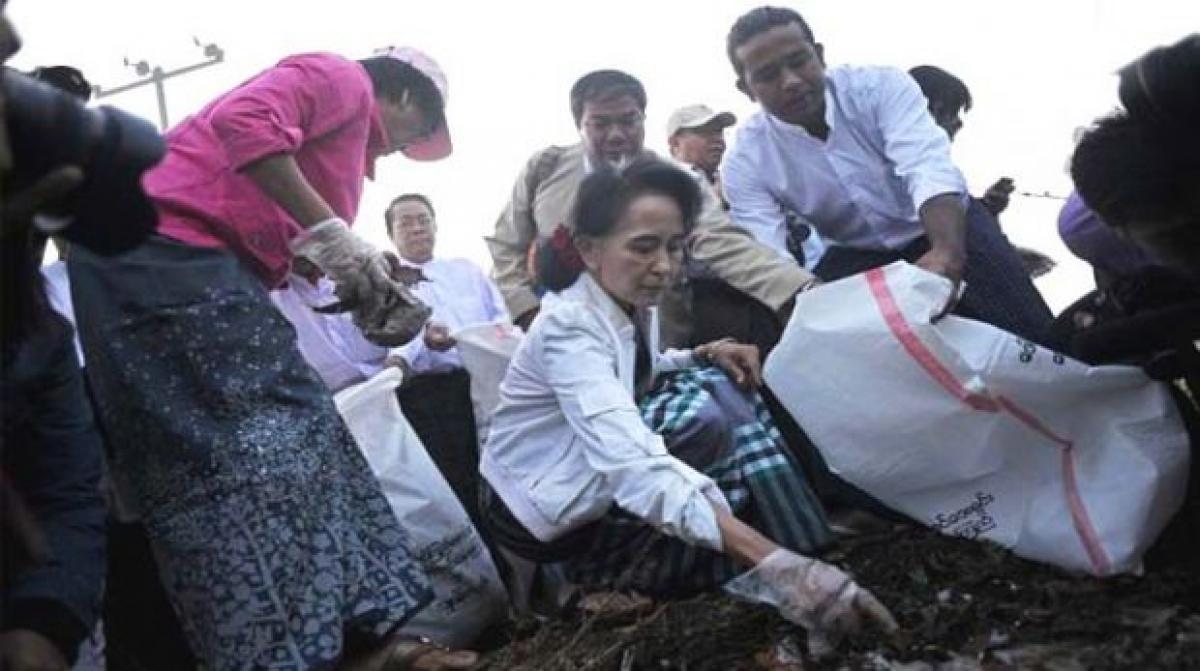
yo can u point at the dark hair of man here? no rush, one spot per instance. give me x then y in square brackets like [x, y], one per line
[418, 197]
[942, 88]
[605, 85]
[64, 78]
[390, 78]
[1127, 170]
[758, 21]
[602, 200]
[1142, 164]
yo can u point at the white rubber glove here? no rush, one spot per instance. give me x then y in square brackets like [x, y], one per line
[817, 596]
[384, 309]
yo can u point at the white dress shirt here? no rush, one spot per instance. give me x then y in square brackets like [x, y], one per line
[567, 440]
[58, 291]
[331, 344]
[460, 295]
[861, 187]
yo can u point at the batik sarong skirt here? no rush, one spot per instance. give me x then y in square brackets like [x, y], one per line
[274, 541]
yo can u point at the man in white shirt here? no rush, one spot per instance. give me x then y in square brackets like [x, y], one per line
[855, 151]
[457, 290]
[436, 394]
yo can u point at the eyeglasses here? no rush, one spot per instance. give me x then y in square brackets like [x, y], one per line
[602, 125]
[421, 221]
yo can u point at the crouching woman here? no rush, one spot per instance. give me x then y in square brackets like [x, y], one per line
[656, 471]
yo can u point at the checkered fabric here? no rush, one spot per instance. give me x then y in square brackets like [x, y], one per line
[727, 434]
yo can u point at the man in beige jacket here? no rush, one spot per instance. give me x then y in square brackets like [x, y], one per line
[609, 109]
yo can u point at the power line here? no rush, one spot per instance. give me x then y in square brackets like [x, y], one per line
[1044, 194]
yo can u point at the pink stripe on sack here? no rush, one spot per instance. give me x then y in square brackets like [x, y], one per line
[917, 349]
[886, 302]
[1079, 514]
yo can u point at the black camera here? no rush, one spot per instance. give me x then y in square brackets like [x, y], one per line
[47, 129]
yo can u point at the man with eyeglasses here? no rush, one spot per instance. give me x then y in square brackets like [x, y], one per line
[609, 109]
[436, 394]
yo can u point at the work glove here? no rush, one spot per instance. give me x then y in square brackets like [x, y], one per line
[817, 596]
[384, 309]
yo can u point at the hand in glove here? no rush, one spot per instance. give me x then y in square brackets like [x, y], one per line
[817, 596]
[384, 309]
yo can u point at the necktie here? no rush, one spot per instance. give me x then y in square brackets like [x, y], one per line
[643, 367]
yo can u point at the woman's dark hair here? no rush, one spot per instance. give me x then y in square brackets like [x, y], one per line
[418, 197]
[390, 78]
[757, 21]
[1126, 170]
[605, 85]
[942, 88]
[602, 199]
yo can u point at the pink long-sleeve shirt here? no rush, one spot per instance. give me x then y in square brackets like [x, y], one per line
[319, 108]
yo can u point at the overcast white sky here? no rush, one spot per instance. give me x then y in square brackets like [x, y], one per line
[1037, 69]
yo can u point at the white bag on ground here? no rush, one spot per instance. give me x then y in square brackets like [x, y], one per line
[468, 593]
[976, 432]
[486, 350]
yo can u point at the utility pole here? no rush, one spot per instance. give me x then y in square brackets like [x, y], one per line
[157, 76]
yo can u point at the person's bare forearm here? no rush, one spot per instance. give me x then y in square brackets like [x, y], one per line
[743, 542]
[945, 223]
[280, 178]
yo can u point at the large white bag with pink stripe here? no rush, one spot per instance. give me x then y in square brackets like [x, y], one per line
[976, 432]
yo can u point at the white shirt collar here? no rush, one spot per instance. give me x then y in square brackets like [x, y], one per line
[414, 264]
[588, 290]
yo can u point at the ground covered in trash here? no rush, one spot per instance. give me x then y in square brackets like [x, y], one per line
[962, 605]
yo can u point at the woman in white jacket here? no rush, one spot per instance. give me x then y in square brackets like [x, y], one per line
[668, 498]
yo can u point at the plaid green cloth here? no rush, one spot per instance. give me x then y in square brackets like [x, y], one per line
[728, 435]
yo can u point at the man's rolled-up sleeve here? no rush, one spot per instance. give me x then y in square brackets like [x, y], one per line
[917, 147]
[286, 106]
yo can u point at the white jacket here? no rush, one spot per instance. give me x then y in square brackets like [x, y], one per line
[567, 440]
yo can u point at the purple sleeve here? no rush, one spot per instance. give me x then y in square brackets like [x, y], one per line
[1089, 238]
[299, 99]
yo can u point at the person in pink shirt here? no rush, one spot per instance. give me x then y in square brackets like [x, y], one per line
[273, 539]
